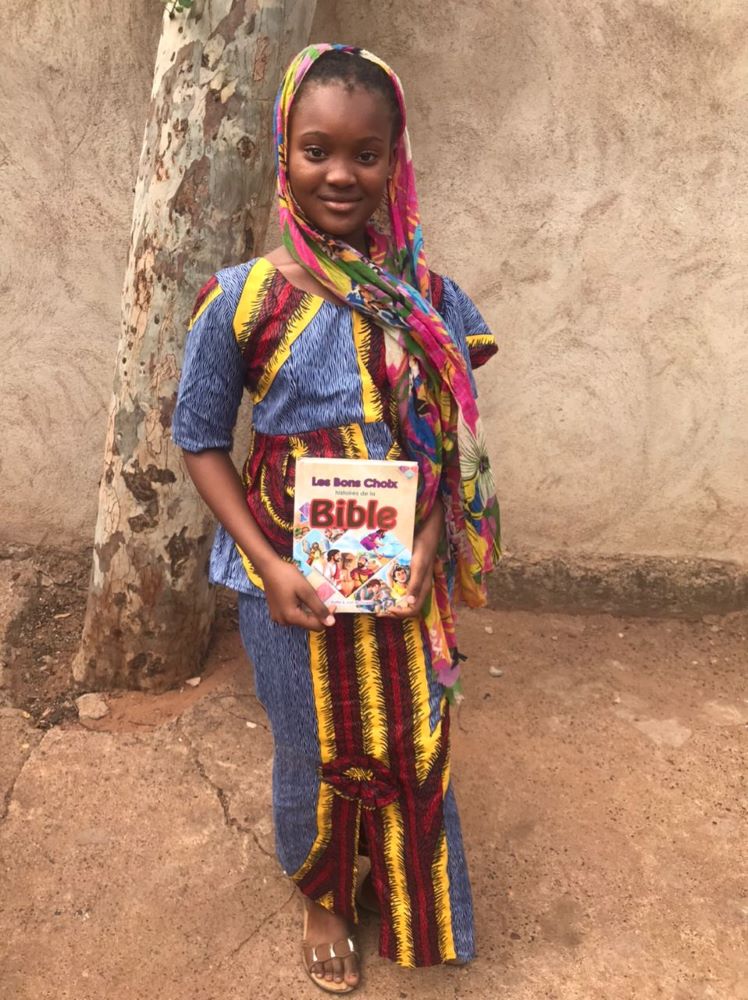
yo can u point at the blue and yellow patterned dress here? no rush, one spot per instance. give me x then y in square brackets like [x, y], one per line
[360, 724]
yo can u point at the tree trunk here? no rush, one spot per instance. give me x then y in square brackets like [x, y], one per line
[202, 199]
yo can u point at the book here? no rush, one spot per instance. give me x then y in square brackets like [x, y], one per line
[353, 530]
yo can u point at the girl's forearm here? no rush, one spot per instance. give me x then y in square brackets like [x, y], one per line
[429, 533]
[220, 486]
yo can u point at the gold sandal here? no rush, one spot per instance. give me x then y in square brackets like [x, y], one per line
[343, 948]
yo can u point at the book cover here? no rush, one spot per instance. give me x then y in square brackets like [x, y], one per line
[353, 530]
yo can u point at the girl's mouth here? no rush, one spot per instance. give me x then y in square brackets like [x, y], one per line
[341, 205]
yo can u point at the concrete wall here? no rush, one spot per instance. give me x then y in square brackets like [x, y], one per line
[581, 167]
[74, 88]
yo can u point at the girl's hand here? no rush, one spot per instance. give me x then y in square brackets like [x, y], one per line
[292, 600]
[425, 545]
[421, 578]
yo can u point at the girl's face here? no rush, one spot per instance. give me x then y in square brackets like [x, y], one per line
[339, 156]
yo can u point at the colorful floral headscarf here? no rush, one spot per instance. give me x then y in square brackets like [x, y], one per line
[439, 419]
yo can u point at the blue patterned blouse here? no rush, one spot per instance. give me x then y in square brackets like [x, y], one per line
[318, 384]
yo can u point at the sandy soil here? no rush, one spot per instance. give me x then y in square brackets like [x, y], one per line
[600, 764]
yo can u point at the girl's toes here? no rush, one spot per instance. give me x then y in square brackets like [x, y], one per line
[337, 968]
[328, 971]
[350, 967]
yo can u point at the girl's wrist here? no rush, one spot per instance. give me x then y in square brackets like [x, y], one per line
[430, 531]
[265, 562]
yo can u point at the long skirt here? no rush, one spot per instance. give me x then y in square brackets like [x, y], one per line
[361, 765]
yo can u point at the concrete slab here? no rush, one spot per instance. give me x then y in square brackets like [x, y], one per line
[127, 878]
[601, 782]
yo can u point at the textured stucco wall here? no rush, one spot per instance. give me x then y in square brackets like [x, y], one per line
[75, 80]
[581, 167]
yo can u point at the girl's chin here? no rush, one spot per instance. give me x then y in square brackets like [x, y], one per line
[338, 229]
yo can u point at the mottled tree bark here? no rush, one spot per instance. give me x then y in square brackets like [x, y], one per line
[202, 199]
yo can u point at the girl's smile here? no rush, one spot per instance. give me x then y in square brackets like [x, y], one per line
[339, 157]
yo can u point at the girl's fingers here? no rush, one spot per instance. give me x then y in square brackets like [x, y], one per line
[301, 618]
[299, 613]
[411, 610]
[305, 619]
[310, 598]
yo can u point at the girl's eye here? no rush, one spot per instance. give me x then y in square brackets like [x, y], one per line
[367, 157]
[314, 152]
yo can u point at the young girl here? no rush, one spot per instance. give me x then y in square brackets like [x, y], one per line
[349, 347]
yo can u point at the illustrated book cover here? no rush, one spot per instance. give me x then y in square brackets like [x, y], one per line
[353, 530]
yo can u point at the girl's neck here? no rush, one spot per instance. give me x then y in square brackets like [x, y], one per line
[298, 276]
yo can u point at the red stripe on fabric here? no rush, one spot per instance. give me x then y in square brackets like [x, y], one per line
[351, 741]
[280, 301]
[375, 837]
[480, 354]
[338, 683]
[437, 290]
[344, 814]
[416, 843]
[420, 842]
[333, 872]
[403, 751]
[385, 636]
[207, 288]
[318, 878]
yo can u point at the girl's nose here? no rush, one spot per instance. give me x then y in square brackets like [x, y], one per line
[339, 172]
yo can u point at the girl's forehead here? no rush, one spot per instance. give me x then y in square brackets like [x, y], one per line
[335, 107]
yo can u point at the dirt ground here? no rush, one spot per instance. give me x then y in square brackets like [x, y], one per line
[599, 762]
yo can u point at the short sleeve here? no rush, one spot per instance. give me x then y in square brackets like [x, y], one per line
[467, 326]
[481, 344]
[212, 380]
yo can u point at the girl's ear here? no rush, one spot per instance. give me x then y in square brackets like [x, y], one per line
[393, 157]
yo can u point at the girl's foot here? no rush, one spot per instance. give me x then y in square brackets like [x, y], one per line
[366, 897]
[327, 936]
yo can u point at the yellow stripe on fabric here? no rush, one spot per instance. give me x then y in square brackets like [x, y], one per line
[275, 517]
[481, 340]
[442, 903]
[395, 450]
[325, 727]
[371, 693]
[354, 873]
[251, 572]
[354, 442]
[213, 294]
[394, 850]
[322, 698]
[250, 301]
[325, 798]
[426, 744]
[297, 449]
[297, 322]
[371, 398]
[447, 769]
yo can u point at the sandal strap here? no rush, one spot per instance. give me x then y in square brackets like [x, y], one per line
[343, 948]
